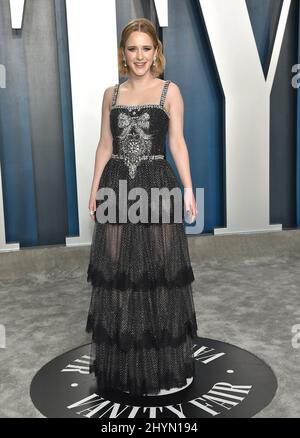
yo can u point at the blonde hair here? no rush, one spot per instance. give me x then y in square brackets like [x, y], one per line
[141, 25]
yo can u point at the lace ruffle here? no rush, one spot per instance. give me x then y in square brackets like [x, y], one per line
[168, 378]
[146, 340]
[143, 371]
[142, 342]
[97, 278]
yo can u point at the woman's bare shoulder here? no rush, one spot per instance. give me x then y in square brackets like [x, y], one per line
[174, 93]
[109, 90]
[173, 87]
[108, 94]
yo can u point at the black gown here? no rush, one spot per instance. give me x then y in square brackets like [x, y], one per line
[141, 313]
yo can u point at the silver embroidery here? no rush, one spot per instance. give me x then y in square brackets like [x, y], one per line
[143, 157]
[143, 105]
[135, 142]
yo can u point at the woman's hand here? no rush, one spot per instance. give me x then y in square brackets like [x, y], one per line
[190, 205]
[92, 206]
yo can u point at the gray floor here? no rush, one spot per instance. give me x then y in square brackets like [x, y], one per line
[246, 293]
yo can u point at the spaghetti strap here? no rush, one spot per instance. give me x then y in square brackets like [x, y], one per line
[115, 94]
[164, 93]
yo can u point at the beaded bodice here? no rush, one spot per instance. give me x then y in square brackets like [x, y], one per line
[138, 130]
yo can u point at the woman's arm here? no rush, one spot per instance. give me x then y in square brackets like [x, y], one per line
[104, 148]
[178, 146]
[176, 138]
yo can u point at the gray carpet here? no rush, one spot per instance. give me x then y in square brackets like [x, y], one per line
[246, 293]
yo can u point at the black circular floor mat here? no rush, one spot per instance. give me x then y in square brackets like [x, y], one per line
[229, 382]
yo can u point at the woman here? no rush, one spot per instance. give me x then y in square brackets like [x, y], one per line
[141, 313]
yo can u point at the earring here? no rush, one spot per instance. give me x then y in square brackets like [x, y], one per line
[124, 60]
[154, 61]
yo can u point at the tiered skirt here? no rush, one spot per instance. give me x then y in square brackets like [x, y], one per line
[141, 314]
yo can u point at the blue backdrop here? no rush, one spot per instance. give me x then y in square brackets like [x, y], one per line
[36, 132]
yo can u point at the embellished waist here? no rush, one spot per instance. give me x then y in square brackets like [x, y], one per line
[141, 157]
[132, 160]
